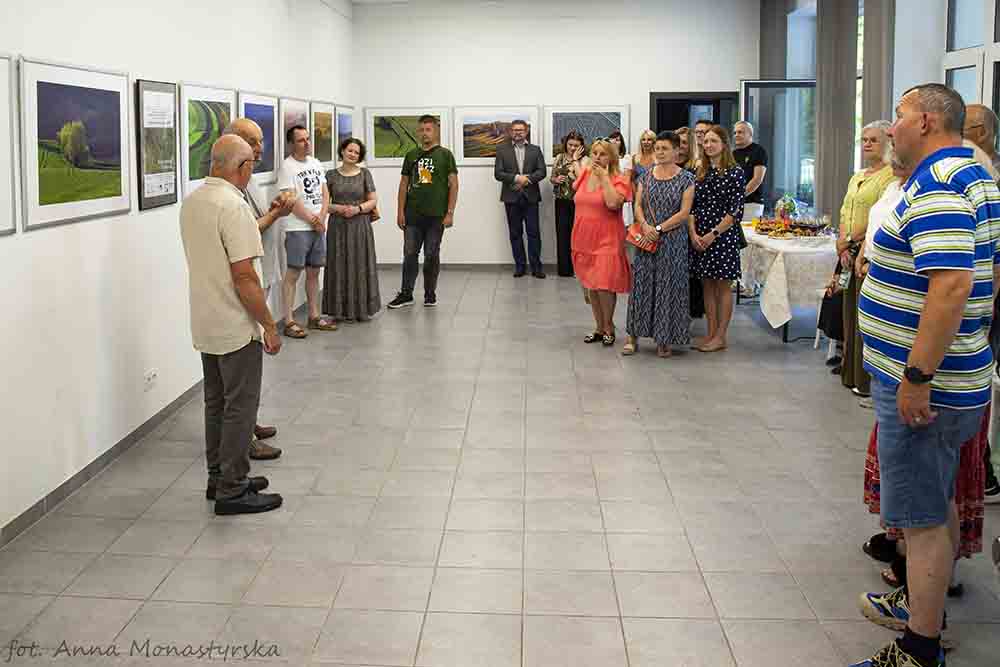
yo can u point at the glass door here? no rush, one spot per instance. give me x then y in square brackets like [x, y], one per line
[783, 115]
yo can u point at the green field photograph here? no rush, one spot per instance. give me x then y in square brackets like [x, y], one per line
[206, 121]
[482, 134]
[79, 143]
[323, 136]
[395, 136]
[158, 150]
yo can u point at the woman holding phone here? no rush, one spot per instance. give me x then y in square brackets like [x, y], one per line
[565, 170]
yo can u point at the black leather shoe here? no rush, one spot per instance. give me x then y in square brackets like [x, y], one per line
[250, 502]
[538, 274]
[519, 273]
[257, 484]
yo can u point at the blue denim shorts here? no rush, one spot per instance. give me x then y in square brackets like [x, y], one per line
[305, 249]
[918, 466]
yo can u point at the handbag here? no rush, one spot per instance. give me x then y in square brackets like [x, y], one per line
[741, 238]
[374, 215]
[634, 233]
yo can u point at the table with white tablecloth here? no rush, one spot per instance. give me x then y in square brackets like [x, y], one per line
[789, 272]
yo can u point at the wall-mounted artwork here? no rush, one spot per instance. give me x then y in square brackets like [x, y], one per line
[345, 123]
[293, 112]
[324, 148]
[75, 144]
[392, 132]
[8, 212]
[205, 113]
[263, 110]
[156, 134]
[479, 130]
[591, 122]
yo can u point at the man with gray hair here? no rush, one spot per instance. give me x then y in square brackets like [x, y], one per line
[280, 206]
[924, 312]
[231, 325]
[981, 128]
[752, 159]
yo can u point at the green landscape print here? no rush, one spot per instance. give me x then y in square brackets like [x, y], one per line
[206, 121]
[395, 136]
[79, 143]
[482, 134]
[158, 150]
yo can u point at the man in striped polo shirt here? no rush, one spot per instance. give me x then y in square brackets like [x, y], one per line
[925, 310]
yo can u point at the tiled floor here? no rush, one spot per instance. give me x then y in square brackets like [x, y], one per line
[473, 486]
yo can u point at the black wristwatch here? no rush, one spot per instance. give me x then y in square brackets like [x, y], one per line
[916, 376]
[659, 229]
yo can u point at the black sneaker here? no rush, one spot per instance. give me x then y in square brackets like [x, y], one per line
[992, 493]
[430, 300]
[256, 484]
[402, 300]
[250, 502]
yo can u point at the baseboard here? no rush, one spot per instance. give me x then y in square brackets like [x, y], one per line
[30, 516]
[469, 267]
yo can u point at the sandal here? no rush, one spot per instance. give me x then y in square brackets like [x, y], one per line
[880, 547]
[294, 330]
[593, 337]
[628, 349]
[664, 352]
[322, 324]
[607, 340]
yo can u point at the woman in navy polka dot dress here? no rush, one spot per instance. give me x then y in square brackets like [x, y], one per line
[715, 257]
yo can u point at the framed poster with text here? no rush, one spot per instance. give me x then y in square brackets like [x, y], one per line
[156, 141]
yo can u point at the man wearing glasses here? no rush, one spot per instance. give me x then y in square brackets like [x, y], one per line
[701, 128]
[231, 325]
[281, 206]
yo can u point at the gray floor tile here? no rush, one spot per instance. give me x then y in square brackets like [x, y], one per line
[78, 534]
[218, 581]
[473, 514]
[40, 572]
[147, 537]
[664, 595]
[295, 584]
[18, 611]
[482, 549]
[385, 587]
[459, 640]
[569, 593]
[757, 595]
[398, 547]
[175, 623]
[582, 642]
[360, 637]
[80, 621]
[756, 643]
[477, 590]
[566, 551]
[651, 552]
[692, 643]
[122, 576]
[293, 631]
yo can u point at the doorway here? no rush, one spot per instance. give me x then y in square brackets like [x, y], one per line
[669, 111]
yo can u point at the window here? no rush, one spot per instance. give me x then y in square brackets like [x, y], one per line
[965, 81]
[965, 24]
[859, 87]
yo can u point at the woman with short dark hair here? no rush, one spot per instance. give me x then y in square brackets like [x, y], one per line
[565, 169]
[350, 286]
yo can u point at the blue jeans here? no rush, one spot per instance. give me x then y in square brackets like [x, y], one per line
[918, 466]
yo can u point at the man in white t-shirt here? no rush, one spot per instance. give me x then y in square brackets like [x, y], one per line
[305, 230]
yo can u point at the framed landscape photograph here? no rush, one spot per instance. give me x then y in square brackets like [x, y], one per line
[205, 113]
[591, 122]
[293, 112]
[345, 123]
[156, 143]
[479, 130]
[75, 143]
[324, 141]
[8, 93]
[391, 132]
[263, 110]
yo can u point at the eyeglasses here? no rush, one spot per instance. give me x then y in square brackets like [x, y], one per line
[869, 140]
[250, 160]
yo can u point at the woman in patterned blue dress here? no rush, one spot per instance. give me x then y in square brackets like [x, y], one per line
[718, 209]
[658, 306]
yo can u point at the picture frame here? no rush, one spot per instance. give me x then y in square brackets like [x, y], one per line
[75, 143]
[479, 129]
[156, 143]
[293, 112]
[322, 120]
[8, 137]
[263, 110]
[591, 121]
[345, 123]
[205, 112]
[395, 135]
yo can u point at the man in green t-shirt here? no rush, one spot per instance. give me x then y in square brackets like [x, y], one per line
[428, 191]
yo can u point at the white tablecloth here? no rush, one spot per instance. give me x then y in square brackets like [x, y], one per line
[790, 272]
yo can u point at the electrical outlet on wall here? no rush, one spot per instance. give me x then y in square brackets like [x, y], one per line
[149, 379]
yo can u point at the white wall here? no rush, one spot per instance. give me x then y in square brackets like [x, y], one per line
[921, 32]
[90, 307]
[557, 52]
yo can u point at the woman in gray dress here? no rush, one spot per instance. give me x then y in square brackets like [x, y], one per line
[350, 286]
[658, 305]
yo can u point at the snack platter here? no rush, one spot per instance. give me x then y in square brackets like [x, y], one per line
[783, 228]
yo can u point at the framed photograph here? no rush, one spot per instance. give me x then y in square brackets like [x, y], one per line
[156, 143]
[263, 110]
[391, 132]
[75, 143]
[590, 121]
[345, 124]
[8, 181]
[205, 113]
[293, 112]
[479, 130]
[323, 115]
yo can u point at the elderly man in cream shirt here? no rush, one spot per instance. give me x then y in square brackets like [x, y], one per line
[231, 325]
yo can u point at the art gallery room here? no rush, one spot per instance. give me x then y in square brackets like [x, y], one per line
[654, 433]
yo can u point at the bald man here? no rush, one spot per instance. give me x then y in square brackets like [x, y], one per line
[231, 325]
[280, 206]
[981, 128]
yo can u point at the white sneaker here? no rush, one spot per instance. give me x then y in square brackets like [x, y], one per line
[866, 403]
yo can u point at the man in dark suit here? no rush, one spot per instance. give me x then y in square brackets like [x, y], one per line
[520, 167]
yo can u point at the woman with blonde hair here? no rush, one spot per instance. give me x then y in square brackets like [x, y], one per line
[644, 160]
[599, 237]
[718, 208]
[683, 153]
[864, 189]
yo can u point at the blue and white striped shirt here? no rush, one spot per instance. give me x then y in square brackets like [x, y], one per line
[948, 219]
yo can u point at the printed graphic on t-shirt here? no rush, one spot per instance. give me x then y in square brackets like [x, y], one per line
[425, 171]
[311, 182]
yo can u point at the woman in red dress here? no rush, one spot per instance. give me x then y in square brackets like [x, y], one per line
[598, 240]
